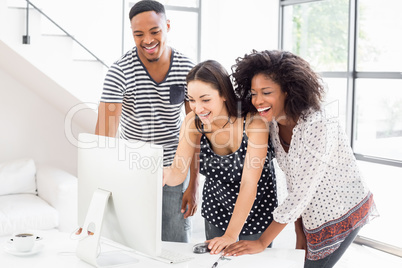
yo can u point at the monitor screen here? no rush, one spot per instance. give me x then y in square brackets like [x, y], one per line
[131, 172]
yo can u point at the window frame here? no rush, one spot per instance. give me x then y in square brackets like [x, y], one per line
[193, 10]
[351, 75]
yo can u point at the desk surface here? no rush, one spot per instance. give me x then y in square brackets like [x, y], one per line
[59, 251]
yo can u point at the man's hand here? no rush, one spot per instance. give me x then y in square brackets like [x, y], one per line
[189, 202]
[244, 247]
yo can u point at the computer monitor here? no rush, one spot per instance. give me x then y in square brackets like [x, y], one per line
[119, 195]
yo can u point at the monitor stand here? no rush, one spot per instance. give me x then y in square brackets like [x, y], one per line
[88, 247]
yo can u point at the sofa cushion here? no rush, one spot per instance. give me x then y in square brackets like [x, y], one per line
[17, 177]
[20, 212]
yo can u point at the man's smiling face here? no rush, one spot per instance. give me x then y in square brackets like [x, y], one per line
[150, 35]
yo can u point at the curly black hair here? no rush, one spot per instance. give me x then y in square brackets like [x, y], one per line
[293, 74]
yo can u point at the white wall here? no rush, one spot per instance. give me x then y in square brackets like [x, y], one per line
[31, 127]
[97, 24]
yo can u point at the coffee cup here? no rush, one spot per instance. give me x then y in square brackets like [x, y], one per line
[24, 242]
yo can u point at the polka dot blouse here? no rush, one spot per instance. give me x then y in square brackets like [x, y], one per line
[223, 177]
[323, 180]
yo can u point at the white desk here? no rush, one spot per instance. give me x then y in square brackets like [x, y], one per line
[59, 251]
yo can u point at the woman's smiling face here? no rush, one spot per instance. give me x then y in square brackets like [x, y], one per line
[206, 102]
[268, 98]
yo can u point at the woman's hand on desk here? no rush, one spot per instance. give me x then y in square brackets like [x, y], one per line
[217, 244]
[244, 247]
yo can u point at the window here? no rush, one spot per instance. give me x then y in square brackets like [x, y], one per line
[318, 32]
[355, 46]
[378, 118]
[183, 34]
[378, 47]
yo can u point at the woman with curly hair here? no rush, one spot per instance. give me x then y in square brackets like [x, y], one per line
[327, 198]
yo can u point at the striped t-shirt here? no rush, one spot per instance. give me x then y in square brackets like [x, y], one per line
[151, 111]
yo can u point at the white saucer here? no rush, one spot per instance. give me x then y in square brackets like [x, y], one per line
[9, 248]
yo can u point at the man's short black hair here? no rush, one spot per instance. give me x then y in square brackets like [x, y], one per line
[146, 5]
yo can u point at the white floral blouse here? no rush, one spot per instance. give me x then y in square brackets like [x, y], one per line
[324, 184]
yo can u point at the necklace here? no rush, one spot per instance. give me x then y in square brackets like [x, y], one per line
[227, 122]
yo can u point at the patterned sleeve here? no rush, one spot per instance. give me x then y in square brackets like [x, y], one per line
[114, 85]
[316, 142]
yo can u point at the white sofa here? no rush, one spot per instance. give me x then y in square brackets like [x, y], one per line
[36, 197]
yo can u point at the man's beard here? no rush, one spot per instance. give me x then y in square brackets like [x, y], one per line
[153, 60]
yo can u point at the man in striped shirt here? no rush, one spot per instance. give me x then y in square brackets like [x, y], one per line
[144, 92]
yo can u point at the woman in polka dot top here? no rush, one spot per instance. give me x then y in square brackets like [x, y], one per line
[239, 192]
[327, 197]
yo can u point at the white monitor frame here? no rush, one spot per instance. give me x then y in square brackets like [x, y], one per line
[121, 182]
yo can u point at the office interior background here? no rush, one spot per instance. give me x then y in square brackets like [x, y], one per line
[54, 56]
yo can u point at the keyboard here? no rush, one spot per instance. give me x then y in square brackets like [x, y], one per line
[168, 256]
